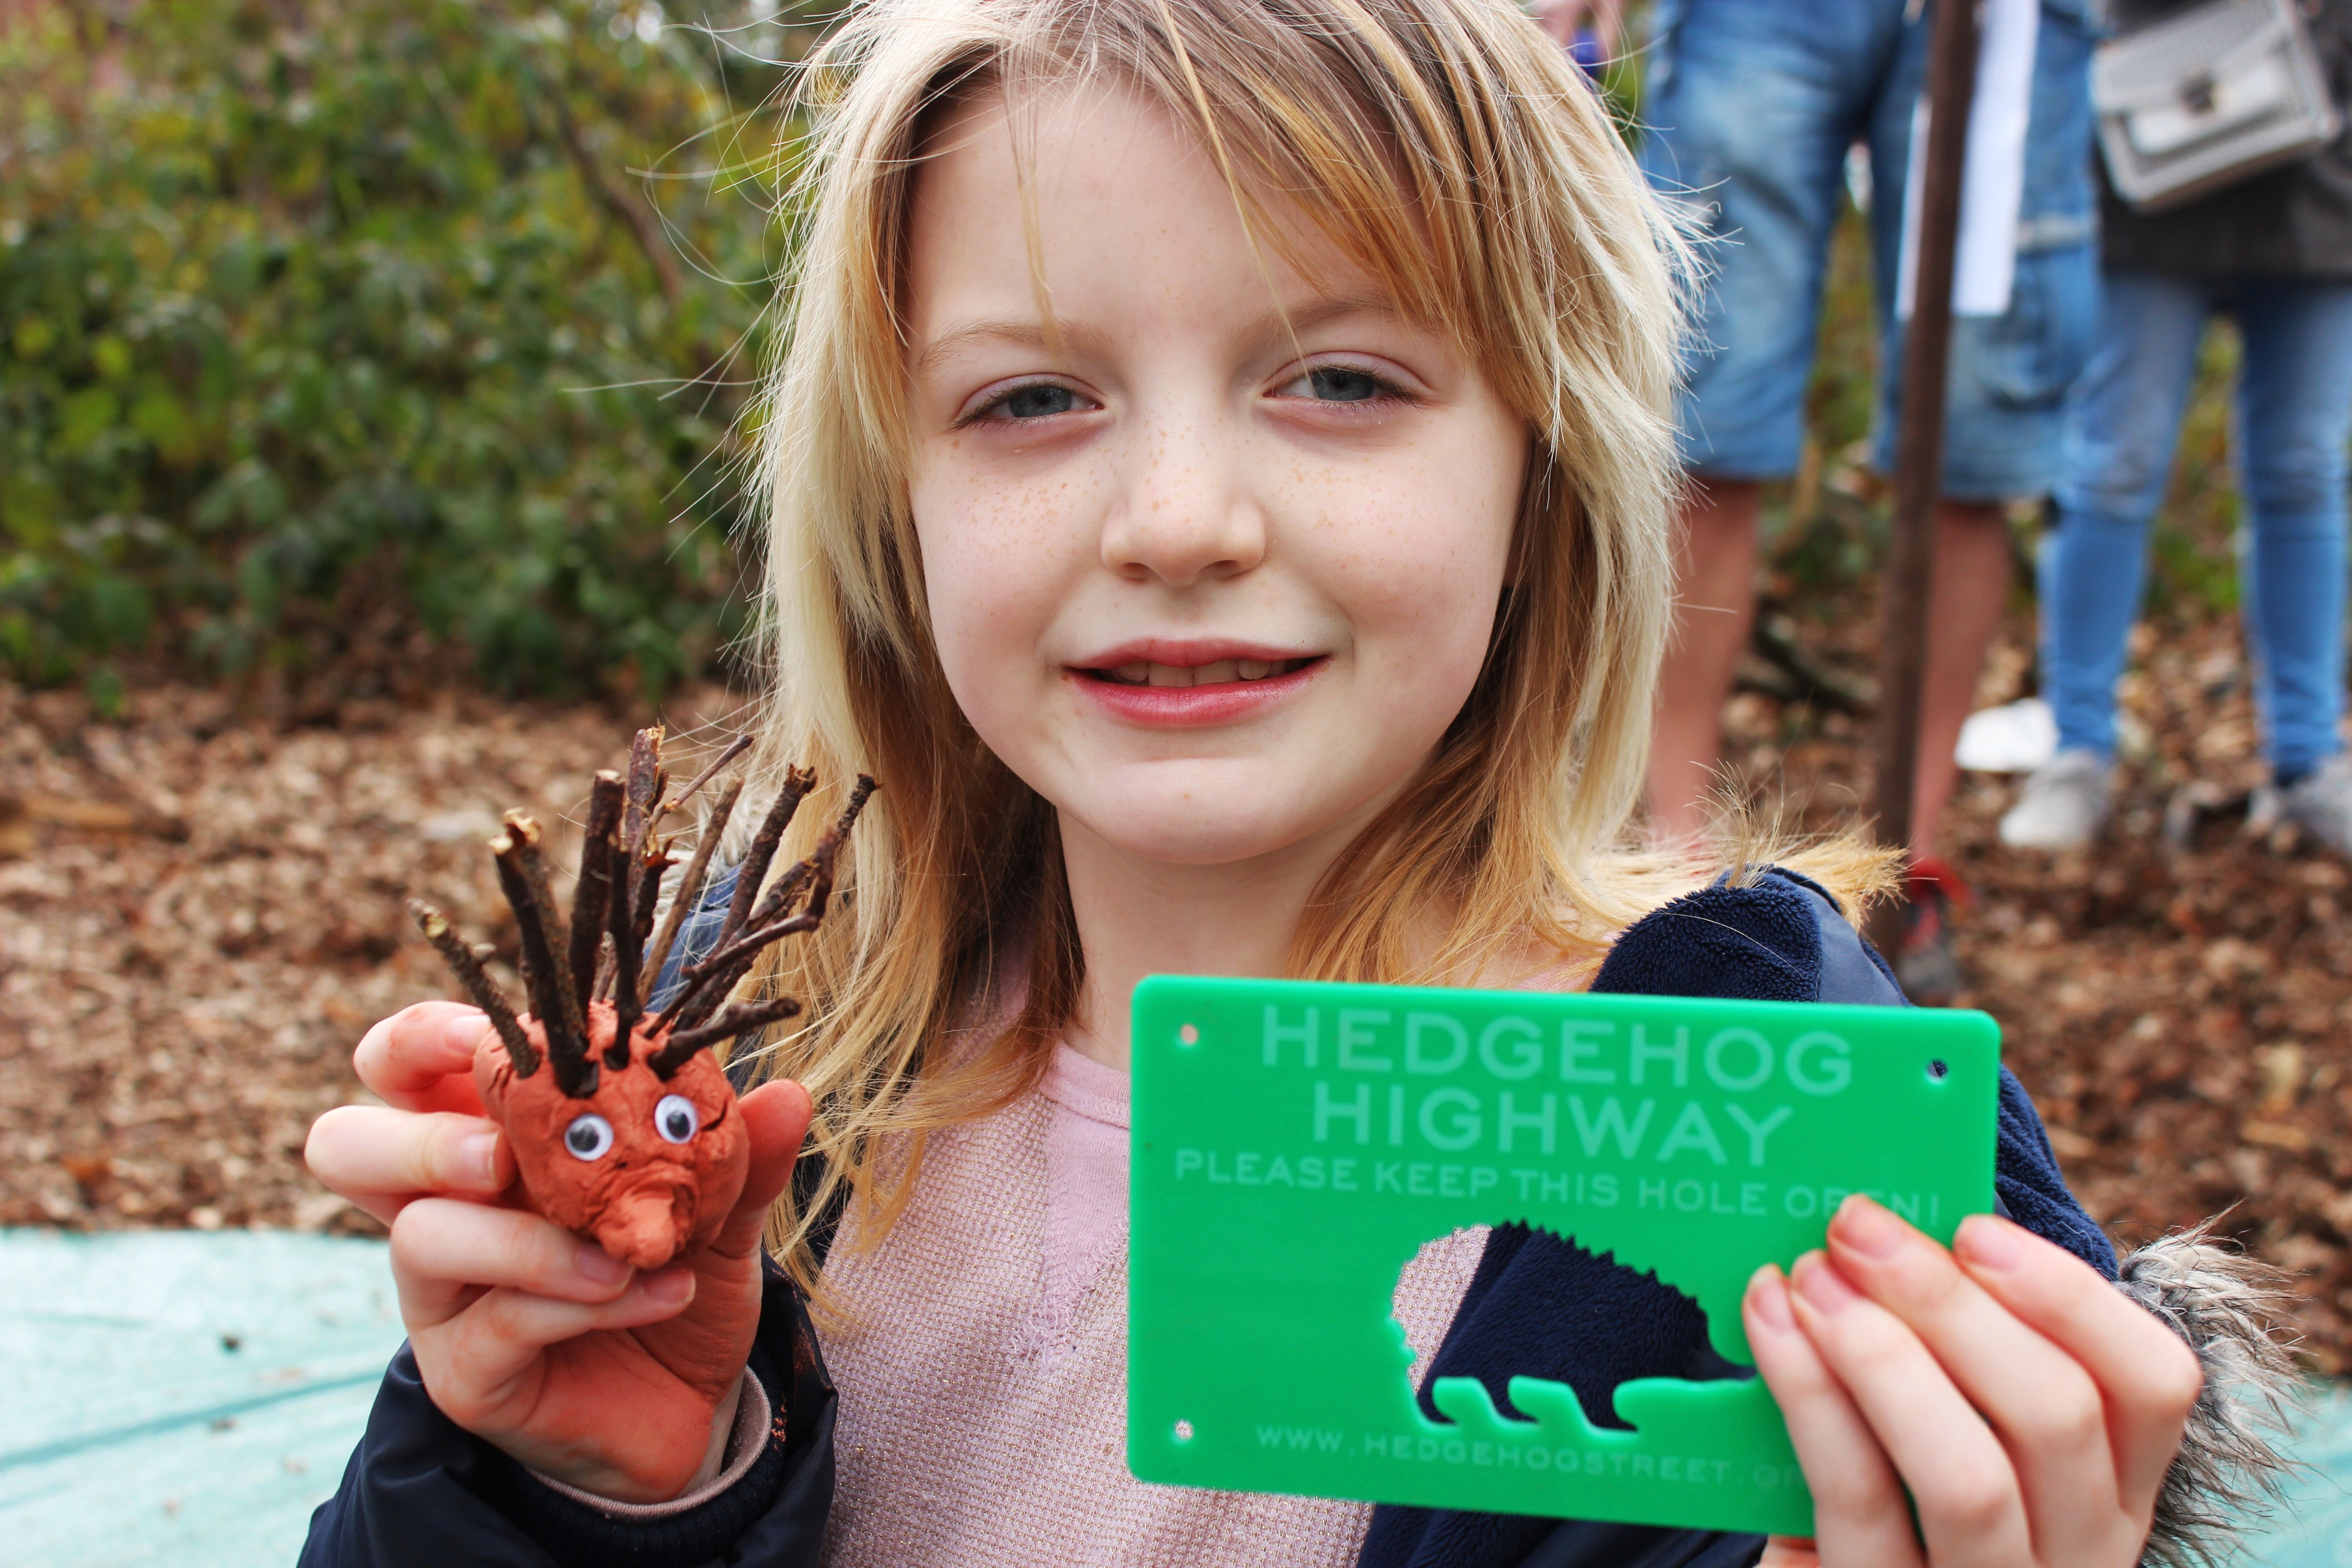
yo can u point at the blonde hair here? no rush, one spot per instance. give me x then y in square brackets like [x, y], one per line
[1456, 153]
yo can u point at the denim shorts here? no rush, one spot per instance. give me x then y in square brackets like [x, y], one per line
[1751, 105]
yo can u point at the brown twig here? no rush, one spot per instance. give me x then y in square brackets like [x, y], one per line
[818, 870]
[736, 1019]
[689, 888]
[771, 908]
[613, 911]
[595, 889]
[648, 899]
[735, 748]
[644, 784]
[711, 985]
[479, 987]
[644, 898]
[710, 980]
[819, 860]
[522, 873]
[754, 869]
[833, 841]
[628, 1006]
[537, 960]
[537, 965]
[646, 780]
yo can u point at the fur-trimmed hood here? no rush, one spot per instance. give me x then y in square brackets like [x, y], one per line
[2230, 1471]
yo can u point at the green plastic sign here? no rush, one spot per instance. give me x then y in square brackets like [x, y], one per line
[1296, 1143]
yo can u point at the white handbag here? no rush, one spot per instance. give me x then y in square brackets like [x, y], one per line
[2203, 99]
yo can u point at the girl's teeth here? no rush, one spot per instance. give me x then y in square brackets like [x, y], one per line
[1140, 673]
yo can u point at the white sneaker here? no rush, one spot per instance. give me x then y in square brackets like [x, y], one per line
[2320, 802]
[2063, 804]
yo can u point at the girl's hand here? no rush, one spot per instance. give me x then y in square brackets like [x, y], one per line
[527, 1336]
[2029, 1407]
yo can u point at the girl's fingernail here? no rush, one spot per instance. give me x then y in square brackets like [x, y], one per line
[478, 1156]
[1820, 1284]
[599, 1267]
[670, 1288]
[1768, 1300]
[463, 1028]
[1869, 1230]
[1988, 1240]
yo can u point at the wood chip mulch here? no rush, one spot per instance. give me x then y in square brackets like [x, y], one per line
[202, 914]
[2178, 997]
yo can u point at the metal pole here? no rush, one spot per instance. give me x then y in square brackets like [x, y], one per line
[1919, 437]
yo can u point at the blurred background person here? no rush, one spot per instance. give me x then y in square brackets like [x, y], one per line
[1750, 107]
[1589, 29]
[2274, 253]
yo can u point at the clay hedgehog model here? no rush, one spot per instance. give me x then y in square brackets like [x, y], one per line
[622, 1125]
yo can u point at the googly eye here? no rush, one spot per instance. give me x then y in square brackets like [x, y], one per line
[588, 1136]
[676, 1119]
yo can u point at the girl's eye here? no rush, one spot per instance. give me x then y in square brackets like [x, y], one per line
[676, 1119]
[1037, 401]
[588, 1136]
[1337, 384]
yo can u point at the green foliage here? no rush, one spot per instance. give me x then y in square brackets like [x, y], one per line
[341, 334]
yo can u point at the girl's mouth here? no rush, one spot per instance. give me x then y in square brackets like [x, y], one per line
[1144, 673]
[1195, 695]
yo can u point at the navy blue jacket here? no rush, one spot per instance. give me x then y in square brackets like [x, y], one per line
[420, 1491]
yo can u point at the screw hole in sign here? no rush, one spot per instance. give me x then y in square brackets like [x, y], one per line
[1183, 1431]
[1189, 1034]
[1937, 1070]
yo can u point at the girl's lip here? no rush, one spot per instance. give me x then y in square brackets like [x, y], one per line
[1189, 653]
[1192, 707]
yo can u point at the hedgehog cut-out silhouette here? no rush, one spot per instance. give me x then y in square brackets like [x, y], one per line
[624, 1126]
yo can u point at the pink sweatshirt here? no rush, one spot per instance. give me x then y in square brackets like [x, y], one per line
[983, 1367]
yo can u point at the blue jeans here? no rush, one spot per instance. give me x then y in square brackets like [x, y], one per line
[2293, 420]
[1752, 105]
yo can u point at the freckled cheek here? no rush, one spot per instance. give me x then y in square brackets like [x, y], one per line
[1406, 517]
[1419, 613]
[1434, 648]
[1415, 576]
[995, 573]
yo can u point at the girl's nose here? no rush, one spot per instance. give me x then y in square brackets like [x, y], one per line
[1185, 512]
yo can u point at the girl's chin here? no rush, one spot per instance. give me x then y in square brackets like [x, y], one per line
[1195, 854]
[1226, 816]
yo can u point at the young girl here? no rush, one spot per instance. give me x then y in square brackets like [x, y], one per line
[1217, 481]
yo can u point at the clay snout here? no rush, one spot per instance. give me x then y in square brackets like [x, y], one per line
[647, 1225]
